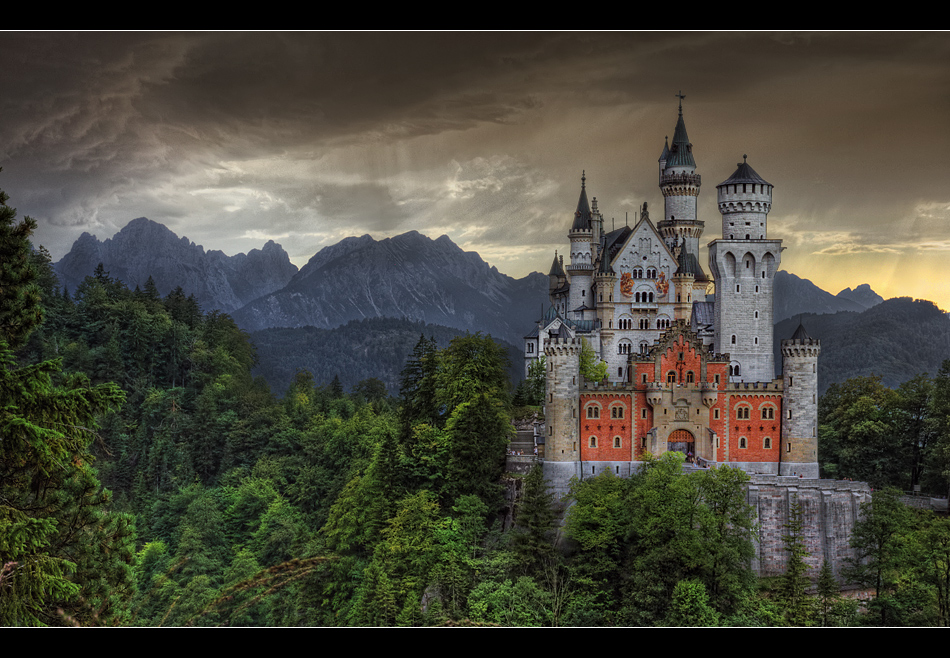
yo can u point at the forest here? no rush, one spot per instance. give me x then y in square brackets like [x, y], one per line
[148, 479]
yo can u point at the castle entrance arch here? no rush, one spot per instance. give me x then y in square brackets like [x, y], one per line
[681, 441]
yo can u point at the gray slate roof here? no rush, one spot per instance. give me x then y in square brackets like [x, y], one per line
[681, 153]
[582, 214]
[744, 174]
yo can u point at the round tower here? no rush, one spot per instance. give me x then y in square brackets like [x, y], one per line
[683, 280]
[800, 405]
[745, 200]
[744, 266]
[605, 281]
[680, 184]
[581, 269]
[562, 353]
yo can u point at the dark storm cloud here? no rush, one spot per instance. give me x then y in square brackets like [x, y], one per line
[234, 138]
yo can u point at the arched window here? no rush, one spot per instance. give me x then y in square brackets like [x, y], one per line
[617, 442]
[768, 413]
[689, 377]
[743, 412]
[593, 442]
[767, 443]
[671, 377]
[742, 442]
[593, 411]
[616, 411]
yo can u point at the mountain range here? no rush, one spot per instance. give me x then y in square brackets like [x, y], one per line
[793, 296]
[409, 276]
[144, 248]
[434, 283]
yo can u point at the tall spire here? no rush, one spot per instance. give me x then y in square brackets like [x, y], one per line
[681, 153]
[582, 215]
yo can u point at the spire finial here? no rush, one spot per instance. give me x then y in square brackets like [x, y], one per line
[681, 96]
[744, 156]
[583, 178]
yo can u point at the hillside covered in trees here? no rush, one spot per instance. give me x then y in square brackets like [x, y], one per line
[147, 478]
[895, 340]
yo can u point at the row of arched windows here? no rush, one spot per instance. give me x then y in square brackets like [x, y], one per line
[616, 410]
[766, 443]
[643, 323]
[671, 377]
[638, 273]
[766, 410]
[592, 442]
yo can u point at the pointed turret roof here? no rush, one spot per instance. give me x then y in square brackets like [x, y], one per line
[582, 215]
[556, 269]
[666, 149]
[800, 333]
[605, 267]
[681, 153]
[744, 174]
[688, 263]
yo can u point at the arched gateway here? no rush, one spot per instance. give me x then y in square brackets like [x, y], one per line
[681, 441]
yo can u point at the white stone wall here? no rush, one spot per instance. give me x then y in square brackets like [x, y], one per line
[800, 407]
[744, 213]
[561, 404]
[744, 303]
[680, 207]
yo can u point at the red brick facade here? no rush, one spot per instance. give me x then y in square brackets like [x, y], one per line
[681, 393]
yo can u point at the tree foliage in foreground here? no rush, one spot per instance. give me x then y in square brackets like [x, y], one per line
[64, 558]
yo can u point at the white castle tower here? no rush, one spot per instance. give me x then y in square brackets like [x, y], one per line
[800, 416]
[680, 185]
[744, 263]
[581, 268]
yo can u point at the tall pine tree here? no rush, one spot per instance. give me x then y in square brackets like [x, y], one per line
[63, 557]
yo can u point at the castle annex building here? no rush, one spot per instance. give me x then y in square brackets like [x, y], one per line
[687, 370]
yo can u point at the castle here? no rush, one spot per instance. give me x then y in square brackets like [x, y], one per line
[686, 370]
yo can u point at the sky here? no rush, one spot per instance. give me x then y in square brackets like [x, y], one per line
[233, 139]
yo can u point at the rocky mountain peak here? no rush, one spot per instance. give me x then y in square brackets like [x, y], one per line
[144, 248]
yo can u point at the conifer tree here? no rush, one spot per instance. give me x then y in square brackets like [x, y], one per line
[535, 521]
[794, 582]
[828, 591]
[59, 547]
[20, 310]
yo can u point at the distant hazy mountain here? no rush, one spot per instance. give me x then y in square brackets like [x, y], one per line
[794, 296]
[897, 339]
[409, 276]
[862, 295]
[145, 248]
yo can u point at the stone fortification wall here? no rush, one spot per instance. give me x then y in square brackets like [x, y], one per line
[829, 508]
